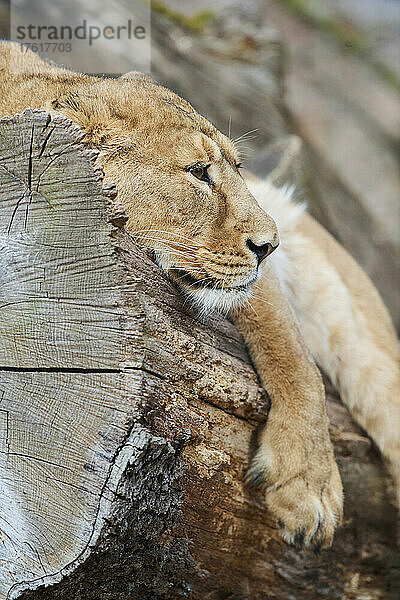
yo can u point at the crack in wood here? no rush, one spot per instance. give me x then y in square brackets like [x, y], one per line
[42, 149]
[38, 459]
[30, 166]
[17, 204]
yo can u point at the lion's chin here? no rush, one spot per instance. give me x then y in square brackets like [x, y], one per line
[206, 299]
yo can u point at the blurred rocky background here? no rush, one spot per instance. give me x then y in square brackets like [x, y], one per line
[309, 85]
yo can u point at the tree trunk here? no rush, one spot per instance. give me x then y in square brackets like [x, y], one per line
[125, 423]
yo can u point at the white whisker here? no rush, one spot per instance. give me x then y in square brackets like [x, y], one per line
[167, 242]
[244, 135]
[261, 299]
[199, 281]
[251, 306]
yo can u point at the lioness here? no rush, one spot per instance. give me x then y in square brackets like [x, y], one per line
[180, 183]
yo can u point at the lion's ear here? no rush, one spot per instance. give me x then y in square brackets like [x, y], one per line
[69, 101]
[87, 112]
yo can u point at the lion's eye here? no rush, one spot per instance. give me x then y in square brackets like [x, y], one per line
[200, 172]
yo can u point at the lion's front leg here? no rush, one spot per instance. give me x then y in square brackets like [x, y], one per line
[294, 460]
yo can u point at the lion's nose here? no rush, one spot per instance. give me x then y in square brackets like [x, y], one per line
[262, 250]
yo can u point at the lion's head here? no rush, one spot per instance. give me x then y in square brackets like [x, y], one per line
[179, 181]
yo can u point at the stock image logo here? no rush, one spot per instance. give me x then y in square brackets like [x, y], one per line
[109, 37]
[84, 31]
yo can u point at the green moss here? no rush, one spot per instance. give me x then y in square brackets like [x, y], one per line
[346, 34]
[195, 24]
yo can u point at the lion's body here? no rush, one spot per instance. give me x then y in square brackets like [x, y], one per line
[208, 235]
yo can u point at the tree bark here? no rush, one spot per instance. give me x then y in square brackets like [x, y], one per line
[126, 423]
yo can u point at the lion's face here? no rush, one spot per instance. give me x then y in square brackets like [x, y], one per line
[179, 181]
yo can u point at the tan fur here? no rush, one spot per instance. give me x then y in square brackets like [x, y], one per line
[148, 138]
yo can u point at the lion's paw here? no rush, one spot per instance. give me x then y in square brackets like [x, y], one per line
[308, 505]
[307, 517]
